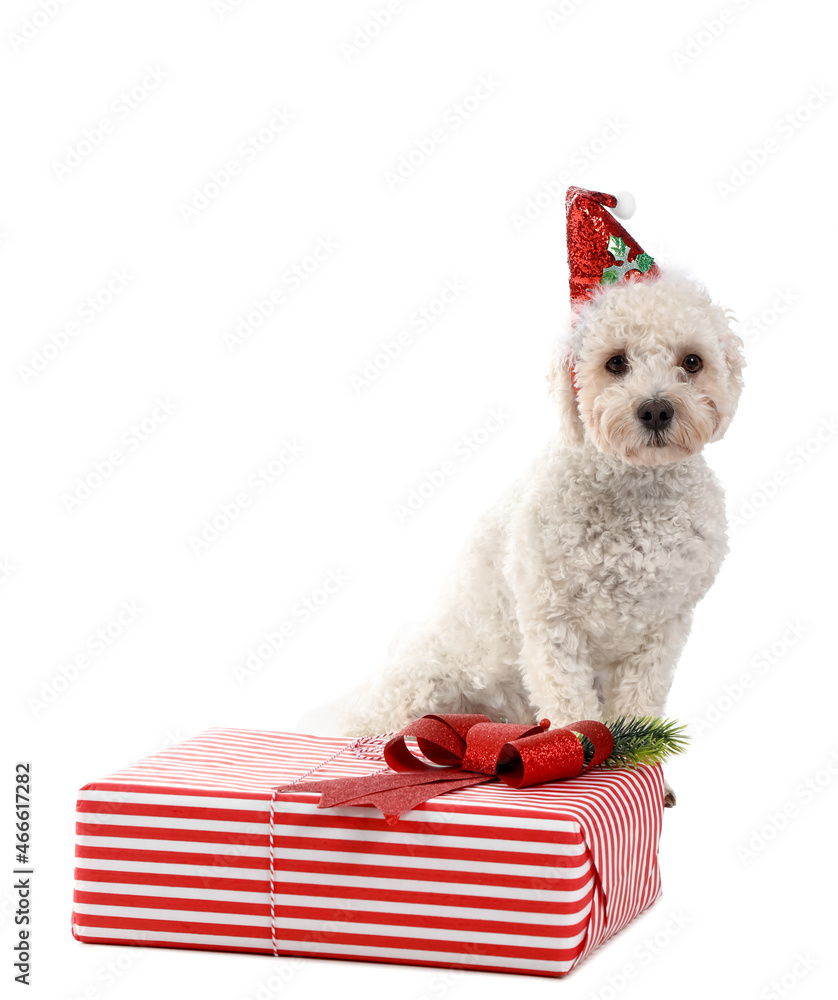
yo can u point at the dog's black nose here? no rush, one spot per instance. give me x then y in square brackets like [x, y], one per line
[655, 413]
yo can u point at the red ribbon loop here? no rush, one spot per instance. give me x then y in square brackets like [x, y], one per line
[546, 756]
[441, 738]
[599, 735]
[488, 745]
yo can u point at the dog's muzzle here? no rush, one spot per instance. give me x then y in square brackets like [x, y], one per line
[656, 414]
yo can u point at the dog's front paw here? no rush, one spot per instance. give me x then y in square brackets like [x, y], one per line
[669, 799]
[566, 713]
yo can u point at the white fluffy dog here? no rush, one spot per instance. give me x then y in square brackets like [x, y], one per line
[574, 596]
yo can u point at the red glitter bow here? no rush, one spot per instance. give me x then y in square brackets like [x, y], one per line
[472, 750]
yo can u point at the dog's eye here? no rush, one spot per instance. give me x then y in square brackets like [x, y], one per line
[617, 365]
[692, 363]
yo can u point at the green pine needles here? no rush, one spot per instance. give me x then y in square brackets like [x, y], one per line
[644, 740]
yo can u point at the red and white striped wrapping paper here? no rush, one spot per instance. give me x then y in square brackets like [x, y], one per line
[193, 848]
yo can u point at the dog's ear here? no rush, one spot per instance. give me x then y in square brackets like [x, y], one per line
[734, 357]
[735, 360]
[563, 393]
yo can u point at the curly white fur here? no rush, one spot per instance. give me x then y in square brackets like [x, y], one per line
[574, 595]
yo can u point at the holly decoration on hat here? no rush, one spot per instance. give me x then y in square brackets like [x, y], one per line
[620, 268]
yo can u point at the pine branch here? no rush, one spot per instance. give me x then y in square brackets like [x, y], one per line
[644, 740]
[587, 747]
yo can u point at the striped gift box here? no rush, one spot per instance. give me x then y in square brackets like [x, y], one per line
[193, 847]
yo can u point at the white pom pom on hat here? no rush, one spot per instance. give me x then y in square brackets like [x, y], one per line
[624, 209]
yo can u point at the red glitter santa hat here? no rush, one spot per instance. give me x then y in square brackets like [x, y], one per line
[599, 250]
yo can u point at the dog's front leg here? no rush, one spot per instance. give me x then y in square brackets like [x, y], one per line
[559, 681]
[642, 679]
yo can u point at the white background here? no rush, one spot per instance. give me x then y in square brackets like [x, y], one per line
[613, 95]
